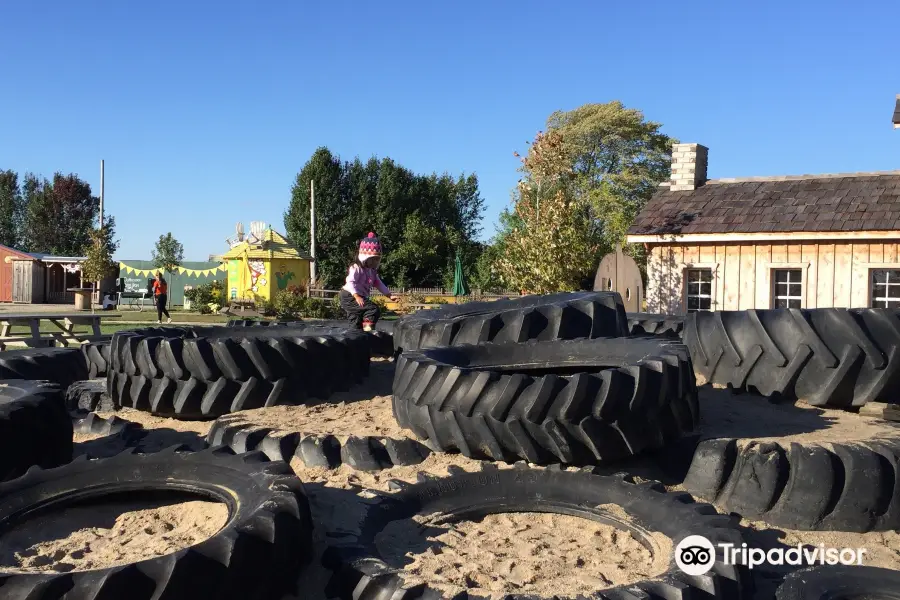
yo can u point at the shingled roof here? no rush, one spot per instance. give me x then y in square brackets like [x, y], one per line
[809, 203]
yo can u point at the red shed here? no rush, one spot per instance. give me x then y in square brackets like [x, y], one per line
[7, 255]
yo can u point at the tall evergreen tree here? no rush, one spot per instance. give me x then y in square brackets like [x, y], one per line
[10, 209]
[421, 219]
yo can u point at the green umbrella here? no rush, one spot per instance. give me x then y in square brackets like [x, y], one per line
[459, 282]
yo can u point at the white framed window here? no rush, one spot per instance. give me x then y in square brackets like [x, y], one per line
[787, 288]
[885, 286]
[699, 289]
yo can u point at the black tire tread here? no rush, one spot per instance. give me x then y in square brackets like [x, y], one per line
[826, 357]
[96, 354]
[669, 326]
[62, 366]
[838, 581]
[204, 373]
[88, 396]
[272, 519]
[549, 317]
[575, 419]
[381, 339]
[35, 428]
[364, 453]
[852, 486]
[359, 572]
[92, 423]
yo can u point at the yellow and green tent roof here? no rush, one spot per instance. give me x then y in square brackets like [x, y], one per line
[273, 246]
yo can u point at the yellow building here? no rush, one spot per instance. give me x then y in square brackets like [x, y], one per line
[263, 264]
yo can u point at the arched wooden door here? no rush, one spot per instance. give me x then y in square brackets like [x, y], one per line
[619, 273]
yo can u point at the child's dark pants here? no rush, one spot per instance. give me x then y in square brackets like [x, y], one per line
[367, 314]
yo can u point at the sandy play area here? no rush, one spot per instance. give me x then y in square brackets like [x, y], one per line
[516, 553]
[523, 553]
[107, 534]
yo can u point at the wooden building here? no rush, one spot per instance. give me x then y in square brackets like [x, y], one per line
[262, 264]
[809, 241]
[43, 278]
[7, 256]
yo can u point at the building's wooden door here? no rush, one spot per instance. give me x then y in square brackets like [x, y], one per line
[619, 273]
[22, 281]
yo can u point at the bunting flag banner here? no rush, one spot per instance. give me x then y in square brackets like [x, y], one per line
[184, 271]
[139, 272]
[200, 272]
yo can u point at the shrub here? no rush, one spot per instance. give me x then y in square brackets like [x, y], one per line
[264, 307]
[290, 305]
[204, 295]
[407, 300]
[380, 302]
[287, 305]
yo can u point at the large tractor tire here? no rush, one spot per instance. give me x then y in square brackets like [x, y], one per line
[570, 401]
[257, 554]
[35, 428]
[381, 339]
[62, 366]
[669, 326]
[204, 373]
[562, 316]
[824, 357]
[96, 354]
[361, 572]
[849, 486]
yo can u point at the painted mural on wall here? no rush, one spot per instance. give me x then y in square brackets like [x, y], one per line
[257, 274]
[233, 276]
[283, 276]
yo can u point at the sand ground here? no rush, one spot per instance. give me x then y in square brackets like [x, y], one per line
[521, 553]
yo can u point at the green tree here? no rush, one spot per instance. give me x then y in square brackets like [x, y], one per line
[553, 242]
[485, 275]
[58, 217]
[168, 254]
[10, 209]
[420, 219]
[326, 170]
[618, 159]
[99, 252]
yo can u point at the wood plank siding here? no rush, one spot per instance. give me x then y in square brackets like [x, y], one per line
[834, 273]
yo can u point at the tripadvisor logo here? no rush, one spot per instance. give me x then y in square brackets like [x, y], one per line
[696, 555]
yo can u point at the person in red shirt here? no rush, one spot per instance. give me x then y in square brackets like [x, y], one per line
[161, 293]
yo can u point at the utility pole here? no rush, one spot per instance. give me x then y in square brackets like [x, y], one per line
[96, 284]
[101, 194]
[312, 233]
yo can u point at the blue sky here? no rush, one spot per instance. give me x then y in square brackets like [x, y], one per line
[205, 111]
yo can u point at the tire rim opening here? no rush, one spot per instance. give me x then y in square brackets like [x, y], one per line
[93, 531]
[535, 553]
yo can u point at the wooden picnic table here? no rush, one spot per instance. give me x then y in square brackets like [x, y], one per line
[66, 323]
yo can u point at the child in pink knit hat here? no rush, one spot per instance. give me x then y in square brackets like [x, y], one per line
[362, 277]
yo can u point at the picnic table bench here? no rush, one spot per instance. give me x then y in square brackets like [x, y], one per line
[65, 322]
[134, 300]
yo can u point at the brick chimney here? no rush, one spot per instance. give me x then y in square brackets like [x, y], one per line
[688, 166]
[896, 119]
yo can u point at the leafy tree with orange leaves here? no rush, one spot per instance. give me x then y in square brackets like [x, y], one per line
[553, 242]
